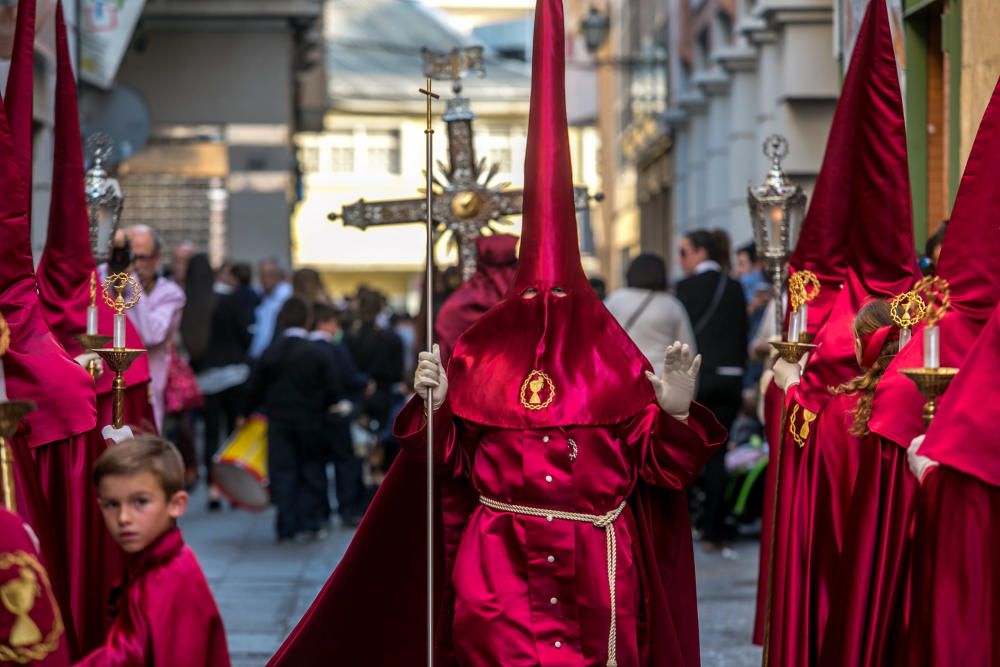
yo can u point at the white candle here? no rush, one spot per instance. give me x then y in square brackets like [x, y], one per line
[3, 383]
[91, 320]
[793, 327]
[803, 320]
[119, 338]
[932, 347]
[905, 334]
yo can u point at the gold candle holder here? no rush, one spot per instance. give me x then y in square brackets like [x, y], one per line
[807, 338]
[792, 352]
[11, 414]
[91, 342]
[932, 383]
[120, 358]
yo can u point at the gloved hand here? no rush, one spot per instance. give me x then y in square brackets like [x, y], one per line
[430, 375]
[675, 387]
[786, 374]
[919, 465]
[87, 357]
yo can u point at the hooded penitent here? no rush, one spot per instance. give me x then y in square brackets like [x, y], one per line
[881, 264]
[545, 369]
[868, 610]
[552, 359]
[495, 269]
[67, 263]
[970, 262]
[856, 238]
[36, 366]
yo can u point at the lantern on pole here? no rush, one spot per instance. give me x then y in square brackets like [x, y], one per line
[777, 208]
[104, 198]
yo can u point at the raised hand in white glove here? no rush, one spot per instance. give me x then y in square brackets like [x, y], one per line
[919, 465]
[675, 387]
[430, 375]
[786, 374]
[87, 358]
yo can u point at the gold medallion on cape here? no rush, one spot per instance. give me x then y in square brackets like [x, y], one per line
[537, 391]
[30, 608]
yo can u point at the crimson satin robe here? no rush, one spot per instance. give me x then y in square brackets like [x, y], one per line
[955, 585]
[529, 591]
[165, 614]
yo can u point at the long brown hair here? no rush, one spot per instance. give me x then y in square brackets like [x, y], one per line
[872, 316]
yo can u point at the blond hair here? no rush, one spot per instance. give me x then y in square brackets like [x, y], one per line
[872, 316]
[146, 453]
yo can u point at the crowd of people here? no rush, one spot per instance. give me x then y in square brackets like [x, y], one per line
[328, 375]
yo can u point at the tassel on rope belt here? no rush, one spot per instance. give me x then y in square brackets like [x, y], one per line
[605, 521]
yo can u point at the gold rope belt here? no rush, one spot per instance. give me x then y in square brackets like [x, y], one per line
[605, 521]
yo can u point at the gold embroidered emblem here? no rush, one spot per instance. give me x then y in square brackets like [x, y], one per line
[537, 391]
[18, 596]
[800, 433]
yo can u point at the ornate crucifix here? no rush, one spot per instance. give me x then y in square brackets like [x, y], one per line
[466, 200]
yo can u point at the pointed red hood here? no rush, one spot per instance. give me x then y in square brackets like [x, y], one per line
[585, 367]
[873, 198]
[970, 262]
[67, 262]
[36, 366]
[962, 435]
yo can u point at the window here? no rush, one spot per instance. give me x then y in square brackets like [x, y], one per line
[309, 157]
[382, 148]
[339, 152]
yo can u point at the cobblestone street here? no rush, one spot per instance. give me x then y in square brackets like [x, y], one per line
[263, 588]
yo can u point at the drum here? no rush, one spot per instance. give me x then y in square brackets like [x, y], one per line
[240, 468]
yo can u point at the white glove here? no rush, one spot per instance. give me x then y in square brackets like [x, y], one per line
[786, 374]
[87, 357]
[430, 375]
[675, 388]
[919, 465]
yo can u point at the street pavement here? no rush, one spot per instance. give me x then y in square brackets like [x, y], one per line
[263, 588]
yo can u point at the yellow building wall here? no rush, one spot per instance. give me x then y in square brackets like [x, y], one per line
[980, 65]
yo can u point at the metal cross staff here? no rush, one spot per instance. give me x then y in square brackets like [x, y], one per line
[429, 399]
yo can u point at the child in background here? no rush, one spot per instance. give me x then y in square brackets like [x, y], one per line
[164, 613]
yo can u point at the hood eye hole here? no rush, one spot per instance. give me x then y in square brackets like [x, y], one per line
[529, 293]
[558, 292]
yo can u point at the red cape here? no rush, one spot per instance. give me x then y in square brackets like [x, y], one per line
[954, 585]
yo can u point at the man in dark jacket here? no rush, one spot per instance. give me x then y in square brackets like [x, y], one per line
[717, 309]
[348, 468]
[294, 385]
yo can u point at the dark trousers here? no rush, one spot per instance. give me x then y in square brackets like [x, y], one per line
[723, 397]
[348, 470]
[221, 411]
[297, 472]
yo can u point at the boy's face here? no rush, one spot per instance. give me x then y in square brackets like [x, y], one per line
[136, 510]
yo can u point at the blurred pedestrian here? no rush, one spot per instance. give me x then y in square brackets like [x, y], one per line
[294, 384]
[223, 367]
[157, 315]
[652, 317]
[352, 387]
[308, 286]
[180, 257]
[274, 291]
[717, 309]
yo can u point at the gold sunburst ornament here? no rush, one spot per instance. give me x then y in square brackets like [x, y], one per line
[4, 336]
[907, 310]
[537, 391]
[803, 287]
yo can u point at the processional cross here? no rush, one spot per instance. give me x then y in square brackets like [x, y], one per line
[466, 200]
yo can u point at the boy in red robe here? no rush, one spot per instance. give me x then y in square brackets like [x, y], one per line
[562, 550]
[164, 614]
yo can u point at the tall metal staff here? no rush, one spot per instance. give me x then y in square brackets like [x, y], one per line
[429, 398]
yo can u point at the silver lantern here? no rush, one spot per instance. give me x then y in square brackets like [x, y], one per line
[104, 198]
[777, 208]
